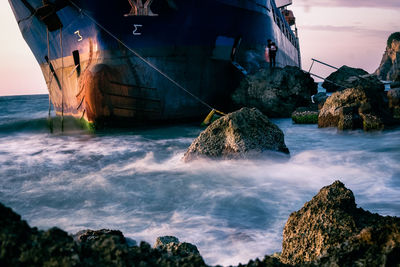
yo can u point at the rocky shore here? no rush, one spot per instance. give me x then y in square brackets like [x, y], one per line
[361, 103]
[276, 92]
[328, 231]
[245, 133]
[390, 67]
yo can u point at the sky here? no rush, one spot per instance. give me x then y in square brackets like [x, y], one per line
[338, 32]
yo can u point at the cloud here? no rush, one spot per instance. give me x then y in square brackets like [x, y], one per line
[351, 29]
[346, 3]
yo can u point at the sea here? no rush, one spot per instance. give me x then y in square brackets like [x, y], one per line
[135, 180]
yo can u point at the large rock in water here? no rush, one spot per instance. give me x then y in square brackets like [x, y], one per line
[336, 80]
[390, 64]
[361, 107]
[331, 231]
[240, 134]
[276, 92]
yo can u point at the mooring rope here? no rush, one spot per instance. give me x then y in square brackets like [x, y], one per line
[62, 81]
[143, 59]
[50, 80]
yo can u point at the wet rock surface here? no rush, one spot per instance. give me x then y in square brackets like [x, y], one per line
[336, 80]
[361, 107]
[91, 235]
[241, 134]
[365, 81]
[331, 231]
[390, 67]
[25, 246]
[276, 92]
[328, 231]
[394, 102]
[173, 246]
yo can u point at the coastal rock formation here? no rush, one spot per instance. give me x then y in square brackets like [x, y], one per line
[328, 231]
[172, 245]
[394, 102]
[305, 115]
[390, 64]
[276, 92]
[91, 235]
[396, 82]
[21, 245]
[361, 107]
[268, 261]
[240, 134]
[331, 231]
[336, 80]
[367, 81]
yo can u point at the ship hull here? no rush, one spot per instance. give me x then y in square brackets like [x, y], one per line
[173, 63]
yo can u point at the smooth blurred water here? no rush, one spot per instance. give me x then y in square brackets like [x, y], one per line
[135, 181]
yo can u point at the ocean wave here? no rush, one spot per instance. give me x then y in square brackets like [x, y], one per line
[134, 180]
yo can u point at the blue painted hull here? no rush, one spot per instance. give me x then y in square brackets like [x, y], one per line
[92, 73]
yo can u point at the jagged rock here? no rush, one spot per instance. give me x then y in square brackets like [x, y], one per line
[240, 134]
[367, 81]
[394, 102]
[276, 92]
[172, 245]
[163, 241]
[21, 245]
[268, 261]
[331, 231]
[24, 246]
[305, 115]
[104, 248]
[390, 64]
[353, 108]
[90, 235]
[336, 80]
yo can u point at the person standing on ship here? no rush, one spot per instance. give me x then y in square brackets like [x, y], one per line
[267, 50]
[272, 50]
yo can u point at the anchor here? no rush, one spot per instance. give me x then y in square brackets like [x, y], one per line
[140, 9]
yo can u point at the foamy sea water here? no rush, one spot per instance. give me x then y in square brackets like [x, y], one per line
[134, 181]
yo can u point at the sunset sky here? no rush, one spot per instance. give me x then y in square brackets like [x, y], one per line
[339, 32]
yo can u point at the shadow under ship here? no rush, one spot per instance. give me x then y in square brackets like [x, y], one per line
[142, 61]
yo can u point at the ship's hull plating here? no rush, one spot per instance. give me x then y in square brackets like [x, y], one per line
[92, 75]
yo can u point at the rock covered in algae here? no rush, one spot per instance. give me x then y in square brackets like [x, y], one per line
[331, 231]
[305, 115]
[241, 134]
[361, 107]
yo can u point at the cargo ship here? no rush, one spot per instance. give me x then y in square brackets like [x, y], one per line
[145, 61]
